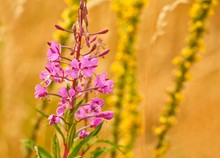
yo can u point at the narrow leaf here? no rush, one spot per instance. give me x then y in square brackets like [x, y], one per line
[114, 146]
[29, 143]
[99, 152]
[85, 140]
[43, 153]
[71, 134]
[59, 131]
[42, 113]
[56, 147]
[80, 102]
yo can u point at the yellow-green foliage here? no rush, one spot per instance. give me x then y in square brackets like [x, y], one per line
[199, 13]
[68, 19]
[126, 97]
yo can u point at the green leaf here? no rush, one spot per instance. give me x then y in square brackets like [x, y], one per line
[59, 131]
[79, 103]
[56, 147]
[42, 113]
[42, 153]
[71, 134]
[29, 143]
[99, 152]
[114, 146]
[85, 140]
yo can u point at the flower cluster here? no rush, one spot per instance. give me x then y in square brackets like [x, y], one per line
[126, 97]
[189, 55]
[74, 71]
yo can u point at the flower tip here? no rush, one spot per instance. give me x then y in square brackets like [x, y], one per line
[49, 43]
[108, 115]
[104, 53]
[59, 27]
[103, 31]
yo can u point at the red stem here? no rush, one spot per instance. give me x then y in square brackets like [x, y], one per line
[66, 151]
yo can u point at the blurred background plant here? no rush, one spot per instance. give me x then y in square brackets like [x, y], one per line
[68, 18]
[199, 13]
[23, 57]
[126, 99]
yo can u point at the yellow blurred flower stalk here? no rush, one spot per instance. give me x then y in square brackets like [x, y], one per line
[199, 13]
[126, 97]
[68, 19]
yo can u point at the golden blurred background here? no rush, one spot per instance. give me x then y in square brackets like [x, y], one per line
[27, 25]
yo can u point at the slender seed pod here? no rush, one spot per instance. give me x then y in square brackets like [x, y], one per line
[199, 13]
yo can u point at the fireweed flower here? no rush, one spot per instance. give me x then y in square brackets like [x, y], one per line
[126, 98]
[92, 110]
[67, 97]
[103, 84]
[84, 67]
[199, 13]
[53, 119]
[74, 74]
[40, 91]
[53, 54]
[55, 71]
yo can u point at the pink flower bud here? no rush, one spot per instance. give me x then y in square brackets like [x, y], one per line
[108, 115]
[53, 119]
[93, 39]
[60, 111]
[103, 31]
[59, 28]
[104, 53]
[95, 122]
[83, 134]
[40, 91]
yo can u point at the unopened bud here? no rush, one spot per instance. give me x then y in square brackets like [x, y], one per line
[93, 39]
[49, 43]
[103, 31]
[108, 115]
[59, 28]
[104, 53]
[87, 42]
[81, 6]
[93, 48]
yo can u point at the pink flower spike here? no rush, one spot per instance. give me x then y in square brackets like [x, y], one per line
[83, 134]
[60, 111]
[54, 52]
[40, 91]
[108, 115]
[95, 122]
[53, 119]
